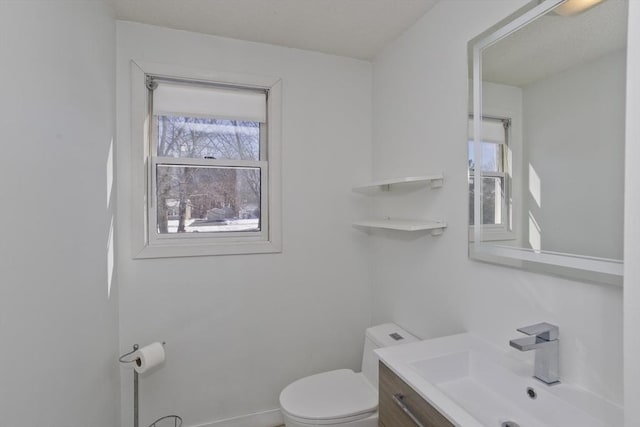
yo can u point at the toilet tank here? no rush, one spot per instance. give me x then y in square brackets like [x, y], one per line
[380, 336]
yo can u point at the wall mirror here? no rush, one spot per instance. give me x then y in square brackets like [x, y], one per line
[546, 139]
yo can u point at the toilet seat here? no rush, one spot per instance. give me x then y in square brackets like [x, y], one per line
[332, 397]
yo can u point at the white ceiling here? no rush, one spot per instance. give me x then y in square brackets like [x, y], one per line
[553, 43]
[355, 28]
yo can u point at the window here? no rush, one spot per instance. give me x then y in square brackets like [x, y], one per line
[211, 165]
[495, 174]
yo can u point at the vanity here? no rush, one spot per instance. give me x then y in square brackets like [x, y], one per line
[463, 381]
[401, 406]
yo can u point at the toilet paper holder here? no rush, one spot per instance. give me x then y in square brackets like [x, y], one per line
[177, 420]
[121, 359]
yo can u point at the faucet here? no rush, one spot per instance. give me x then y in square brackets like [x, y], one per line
[543, 338]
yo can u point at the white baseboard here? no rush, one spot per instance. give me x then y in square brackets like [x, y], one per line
[269, 418]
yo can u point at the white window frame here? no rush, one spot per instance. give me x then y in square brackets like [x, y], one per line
[146, 241]
[505, 230]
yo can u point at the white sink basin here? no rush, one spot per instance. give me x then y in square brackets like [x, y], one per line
[474, 383]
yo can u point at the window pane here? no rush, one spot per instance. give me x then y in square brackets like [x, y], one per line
[207, 199]
[199, 138]
[492, 157]
[492, 200]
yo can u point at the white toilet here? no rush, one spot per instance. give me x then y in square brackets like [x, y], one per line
[342, 398]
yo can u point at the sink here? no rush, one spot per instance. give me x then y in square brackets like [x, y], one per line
[474, 383]
[494, 395]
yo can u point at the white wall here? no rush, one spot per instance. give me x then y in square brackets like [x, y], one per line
[429, 285]
[574, 140]
[58, 322]
[240, 328]
[632, 226]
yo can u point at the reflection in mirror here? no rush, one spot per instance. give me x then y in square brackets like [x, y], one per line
[546, 140]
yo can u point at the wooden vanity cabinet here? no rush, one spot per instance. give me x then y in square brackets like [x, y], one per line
[391, 387]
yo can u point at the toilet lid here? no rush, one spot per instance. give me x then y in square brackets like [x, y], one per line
[329, 396]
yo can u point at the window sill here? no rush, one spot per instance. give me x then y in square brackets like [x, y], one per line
[208, 249]
[493, 234]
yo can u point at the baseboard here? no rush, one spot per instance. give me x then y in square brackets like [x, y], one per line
[269, 418]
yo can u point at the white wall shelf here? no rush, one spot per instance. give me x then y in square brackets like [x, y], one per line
[436, 180]
[436, 227]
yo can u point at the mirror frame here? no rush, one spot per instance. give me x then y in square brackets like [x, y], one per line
[573, 266]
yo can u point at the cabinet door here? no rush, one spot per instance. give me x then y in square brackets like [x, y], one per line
[392, 388]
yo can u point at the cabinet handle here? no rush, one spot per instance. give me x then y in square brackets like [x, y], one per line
[399, 399]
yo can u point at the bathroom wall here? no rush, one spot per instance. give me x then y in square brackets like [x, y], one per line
[428, 284]
[240, 328]
[58, 307]
[632, 226]
[577, 157]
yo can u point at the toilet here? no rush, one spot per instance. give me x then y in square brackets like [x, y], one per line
[342, 398]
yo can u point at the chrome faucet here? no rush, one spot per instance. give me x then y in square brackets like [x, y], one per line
[544, 340]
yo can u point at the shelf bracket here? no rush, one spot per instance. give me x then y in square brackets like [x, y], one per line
[437, 231]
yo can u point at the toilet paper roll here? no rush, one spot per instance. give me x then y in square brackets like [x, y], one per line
[148, 357]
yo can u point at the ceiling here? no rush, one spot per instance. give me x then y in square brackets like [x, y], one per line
[553, 43]
[355, 28]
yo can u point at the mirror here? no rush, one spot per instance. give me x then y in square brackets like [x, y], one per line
[546, 139]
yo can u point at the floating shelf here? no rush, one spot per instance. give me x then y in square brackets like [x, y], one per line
[436, 227]
[434, 179]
